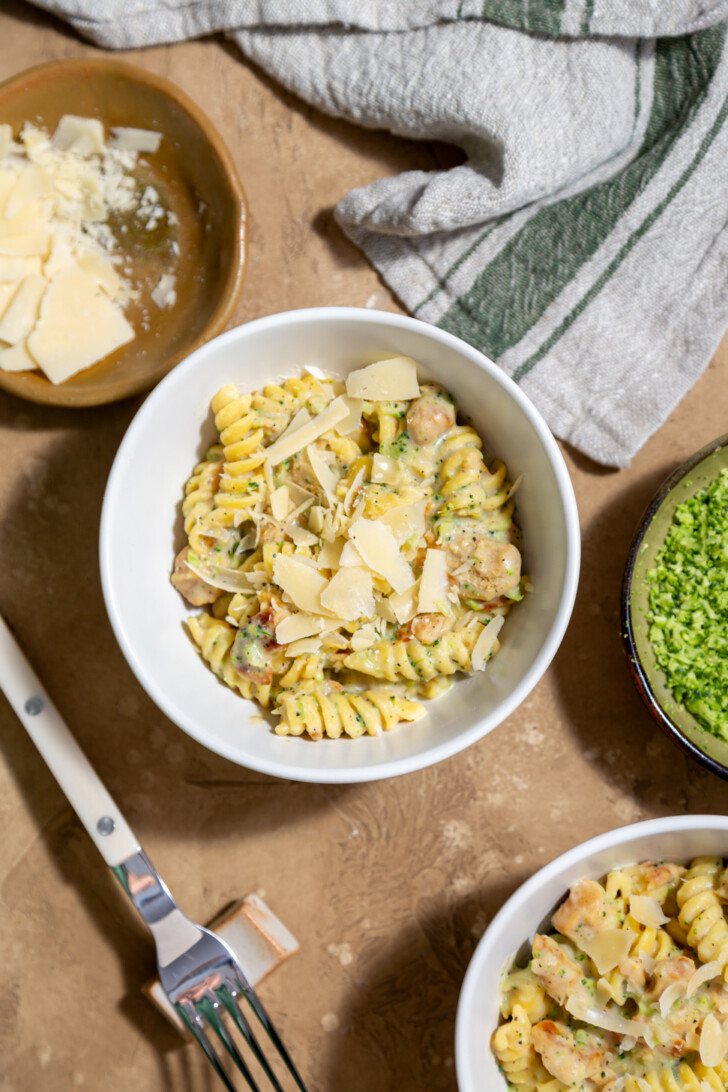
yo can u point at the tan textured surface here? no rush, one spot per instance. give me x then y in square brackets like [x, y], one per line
[387, 886]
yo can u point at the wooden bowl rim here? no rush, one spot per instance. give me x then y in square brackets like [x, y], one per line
[40, 390]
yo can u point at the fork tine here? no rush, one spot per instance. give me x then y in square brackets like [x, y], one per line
[265, 1020]
[193, 1023]
[206, 1007]
[224, 994]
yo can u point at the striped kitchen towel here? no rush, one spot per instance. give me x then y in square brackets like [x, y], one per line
[583, 242]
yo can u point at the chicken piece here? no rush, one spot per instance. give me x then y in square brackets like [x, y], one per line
[587, 911]
[250, 654]
[427, 628]
[559, 974]
[430, 415]
[482, 567]
[632, 970]
[196, 591]
[656, 875]
[655, 878]
[675, 969]
[572, 1056]
[271, 530]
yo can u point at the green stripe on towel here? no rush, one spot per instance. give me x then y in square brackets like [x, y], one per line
[509, 296]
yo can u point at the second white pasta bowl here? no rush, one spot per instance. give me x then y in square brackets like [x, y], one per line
[528, 911]
[141, 533]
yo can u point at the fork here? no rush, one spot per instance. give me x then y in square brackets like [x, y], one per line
[198, 971]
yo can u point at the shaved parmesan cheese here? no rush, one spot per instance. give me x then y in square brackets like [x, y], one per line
[433, 584]
[378, 546]
[486, 640]
[298, 419]
[384, 609]
[230, 580]
[298, 494]
[405, 521]
[363, 638]
[304, 647]
[279, 503]
[296, 626]
[6, 136]
[713, 1042]
[605, 1019]
[350, 556]
[349, 594]
[669, 996]
[305, 434]
[648, 962]
[404, 604]
[352, 420]
[330, 554]
[12, 270]
[128, 139]
[164, 293]
[16, 358]
[316, 519]
[300, 582]
[647, 911]
[84, 136]
[78, 325]
[298, 511]
[29, 245]
[100, 269]
[386, 469]
[353, 489]
[22, 312]
[608, 948]
[705, 973]
[326, 477]
[393, 380]
[300, 536]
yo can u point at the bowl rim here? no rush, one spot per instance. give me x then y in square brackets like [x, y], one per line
[562, 614]
[636, 667]
[524, 893]
[67, 397]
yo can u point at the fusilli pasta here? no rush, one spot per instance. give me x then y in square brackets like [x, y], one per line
[335, 540]
[614, 1000]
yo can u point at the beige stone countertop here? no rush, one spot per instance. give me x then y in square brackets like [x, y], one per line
[387, 886]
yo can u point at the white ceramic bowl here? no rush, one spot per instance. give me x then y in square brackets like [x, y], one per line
[529, 910]
[141, 532]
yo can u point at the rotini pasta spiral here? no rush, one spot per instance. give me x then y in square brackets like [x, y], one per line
[679, 1078]
[333, 714]
[215, 640]
[701, 913]
[514, 1052]
[412, 659]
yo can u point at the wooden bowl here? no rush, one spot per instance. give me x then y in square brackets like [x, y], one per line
[680, 725]
[197, 180]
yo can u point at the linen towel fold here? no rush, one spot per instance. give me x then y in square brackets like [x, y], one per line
[583, 244]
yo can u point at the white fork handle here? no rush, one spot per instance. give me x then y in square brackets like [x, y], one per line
[72, 770]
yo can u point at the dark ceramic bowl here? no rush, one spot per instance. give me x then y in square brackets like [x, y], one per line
[689, 478]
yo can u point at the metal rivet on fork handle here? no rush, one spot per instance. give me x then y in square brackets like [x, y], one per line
[105, 825]
[34, 706]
